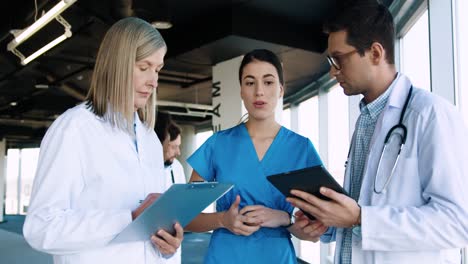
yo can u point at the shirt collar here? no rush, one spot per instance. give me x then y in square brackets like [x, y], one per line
[375, 107]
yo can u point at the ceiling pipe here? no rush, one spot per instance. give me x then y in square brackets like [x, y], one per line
[72, 92]
[25, 122]
[185, 109]
[67, 88]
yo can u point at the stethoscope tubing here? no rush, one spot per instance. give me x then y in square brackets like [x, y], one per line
[401, 126]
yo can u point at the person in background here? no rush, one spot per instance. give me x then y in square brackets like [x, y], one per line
[171, 148]
[407, 169]
[253, 221]
[98, 159]
[170, 136]
[169, 133]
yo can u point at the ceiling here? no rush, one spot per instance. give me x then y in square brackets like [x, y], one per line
[204, 33]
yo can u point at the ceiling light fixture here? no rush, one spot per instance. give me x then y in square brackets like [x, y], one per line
[159, 12]
[162, 24]
[47, 47]
[23, 35]
[41, 22]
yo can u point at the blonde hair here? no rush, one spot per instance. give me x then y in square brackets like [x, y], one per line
[111, 94]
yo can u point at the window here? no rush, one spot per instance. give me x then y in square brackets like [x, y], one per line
[201, 137]
[308, 116]
[338, 131]
[11, 194]
[21, 169]
[308, 126]
[461, 33]
[415, 53]
[286, 118]
[461, 42]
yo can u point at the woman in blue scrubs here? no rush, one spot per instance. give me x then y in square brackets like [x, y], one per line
[252, 223]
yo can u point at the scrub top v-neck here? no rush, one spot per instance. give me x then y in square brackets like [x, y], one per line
[253, 152]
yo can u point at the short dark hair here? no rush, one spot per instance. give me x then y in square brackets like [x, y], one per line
[262, 55]
[365, 24]
[166, 127]
[174, 131]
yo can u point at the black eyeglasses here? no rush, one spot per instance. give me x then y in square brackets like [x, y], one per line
[336, 61]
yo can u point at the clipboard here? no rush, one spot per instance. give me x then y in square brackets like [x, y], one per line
[180, 203]
[308, 180]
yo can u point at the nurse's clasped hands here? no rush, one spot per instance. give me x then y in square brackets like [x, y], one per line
[264, 216]
[251, 218]
[233, 220]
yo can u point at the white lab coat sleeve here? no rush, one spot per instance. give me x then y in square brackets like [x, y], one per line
[53, 225]
[441, 222]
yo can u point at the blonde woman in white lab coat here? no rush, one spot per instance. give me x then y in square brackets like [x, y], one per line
[99, 159]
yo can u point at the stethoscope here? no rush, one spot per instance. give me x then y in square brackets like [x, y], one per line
[390, 133]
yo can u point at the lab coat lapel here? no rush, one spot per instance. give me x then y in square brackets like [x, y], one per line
[390, 117]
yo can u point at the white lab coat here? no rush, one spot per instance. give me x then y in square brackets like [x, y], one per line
[423, 215]
[89, 178]
[179, 177]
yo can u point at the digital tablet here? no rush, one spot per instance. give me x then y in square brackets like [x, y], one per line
[308, 180]
[180, 203]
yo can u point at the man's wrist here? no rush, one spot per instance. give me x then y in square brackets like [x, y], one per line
[356, 227]
[357, 222]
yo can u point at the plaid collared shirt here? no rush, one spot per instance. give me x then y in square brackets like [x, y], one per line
[365, 127]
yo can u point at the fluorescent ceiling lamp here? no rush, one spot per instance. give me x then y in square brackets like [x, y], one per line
[45, 48]
[41, 22]
[162, 24]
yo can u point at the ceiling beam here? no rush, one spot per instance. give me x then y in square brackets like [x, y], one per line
[202, 30]
[262, 26]
[21, 132]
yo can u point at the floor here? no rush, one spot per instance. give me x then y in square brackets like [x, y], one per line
[15, 250]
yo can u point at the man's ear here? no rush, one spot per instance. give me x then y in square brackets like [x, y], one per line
[281, 91]
[377, 53]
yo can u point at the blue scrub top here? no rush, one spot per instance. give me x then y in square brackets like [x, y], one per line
[229, 156]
